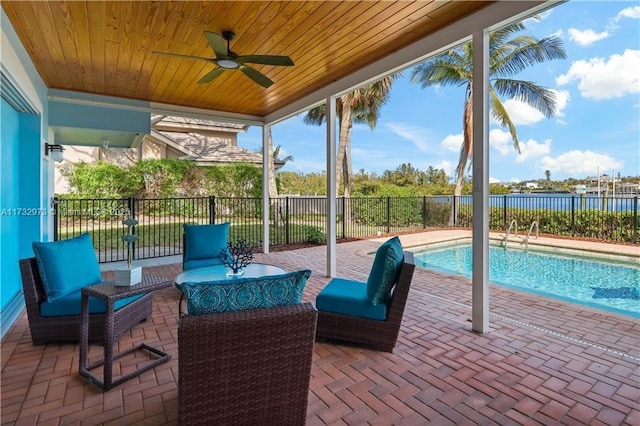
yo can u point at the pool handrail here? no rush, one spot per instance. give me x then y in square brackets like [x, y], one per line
[506, 237]
[529, 233]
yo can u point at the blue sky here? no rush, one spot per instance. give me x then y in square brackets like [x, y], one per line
[596, 126]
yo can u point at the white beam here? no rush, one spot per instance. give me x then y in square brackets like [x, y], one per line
[331, 186]
[266, 205]
[480, 233]
[489, 17]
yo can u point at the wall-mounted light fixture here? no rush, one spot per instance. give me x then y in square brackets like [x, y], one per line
[54, 150]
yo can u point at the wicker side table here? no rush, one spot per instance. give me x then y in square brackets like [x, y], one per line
[109, 294]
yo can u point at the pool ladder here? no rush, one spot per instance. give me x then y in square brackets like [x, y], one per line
[506, 237]
[515, 234]
[534, 223]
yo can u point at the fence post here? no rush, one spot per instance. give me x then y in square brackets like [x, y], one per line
[54, 210]
[635, 220]
[424, 212]
[286, 215]
[455, 211]
[344, 222]
[504, 211]
[131, 201]
[388, 214]
[212, 209]
[573, 215]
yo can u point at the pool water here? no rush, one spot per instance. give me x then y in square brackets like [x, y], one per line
[593, 282]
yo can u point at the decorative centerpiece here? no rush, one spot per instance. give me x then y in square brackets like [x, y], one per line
[129, 276]
[236, 256]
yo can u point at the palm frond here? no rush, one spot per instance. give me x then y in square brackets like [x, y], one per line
[523, 52]
[538, 97]
[316, 116]
[499, 112]
[439, 72]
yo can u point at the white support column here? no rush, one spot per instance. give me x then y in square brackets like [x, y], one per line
[480, 276]
[265, 188]
[331, 187]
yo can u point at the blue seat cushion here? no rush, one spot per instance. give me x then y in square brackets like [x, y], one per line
[244, 293]
[205, 241]
[348, 297]
[66, 266]
[70, 304]
[201, 263]
[385, 270]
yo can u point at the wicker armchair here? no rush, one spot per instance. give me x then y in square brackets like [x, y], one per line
[246, 367]
[381, 335]
[67, 328]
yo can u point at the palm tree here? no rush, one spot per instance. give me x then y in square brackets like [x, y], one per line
[273, 188]
[507, 57]
[361, 105]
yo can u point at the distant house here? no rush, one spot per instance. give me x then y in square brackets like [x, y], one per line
[204, 142]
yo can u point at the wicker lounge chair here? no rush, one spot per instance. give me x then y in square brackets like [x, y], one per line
[67, 328]
[246, 367]
[379, 334]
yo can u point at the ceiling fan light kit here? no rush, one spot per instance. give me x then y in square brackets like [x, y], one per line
[226, 59]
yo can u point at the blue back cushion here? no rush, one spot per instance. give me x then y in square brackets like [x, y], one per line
[238, 294]
[66, 266]
[205, 241]
[385, 270]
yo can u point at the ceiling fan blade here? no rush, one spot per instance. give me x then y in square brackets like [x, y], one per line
[218, 44]
[211, 75]
[265, 60]
[256, 76]
[185, 56]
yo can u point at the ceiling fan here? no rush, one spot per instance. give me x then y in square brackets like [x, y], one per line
[226, 59]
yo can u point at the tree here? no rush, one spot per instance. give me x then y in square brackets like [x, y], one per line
[274, 153]
[547, 174]
[507, 57]
[361, 105]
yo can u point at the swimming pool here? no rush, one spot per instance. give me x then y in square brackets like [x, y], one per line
[589, 281]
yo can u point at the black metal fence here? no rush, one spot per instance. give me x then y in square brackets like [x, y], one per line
[303, 219]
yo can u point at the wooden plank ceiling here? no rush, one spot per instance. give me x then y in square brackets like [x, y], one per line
[105, 47]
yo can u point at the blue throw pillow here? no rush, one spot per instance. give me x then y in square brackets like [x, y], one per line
[244, 293]
[205, 241]
[66, 266]
[385, 270]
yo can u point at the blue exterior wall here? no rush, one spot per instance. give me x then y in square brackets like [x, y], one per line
[9, 200]
[19, 196]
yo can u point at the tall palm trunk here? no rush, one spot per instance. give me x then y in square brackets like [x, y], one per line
[343, 160]
[273, 188]
[465, 150]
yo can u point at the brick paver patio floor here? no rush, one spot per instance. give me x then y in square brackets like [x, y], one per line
[543, 362]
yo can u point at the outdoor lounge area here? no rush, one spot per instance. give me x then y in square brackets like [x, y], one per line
[542, 362]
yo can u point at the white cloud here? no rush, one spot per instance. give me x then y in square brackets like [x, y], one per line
[579, 163]
[447, 166]
[629, 12]
[494, 180]
[538, 17]
[531, 148]
[501, 140]
[601, 79]
[452, 142]
[586, 37]
[419, 136]
[521, 113]
[515, 180]
[562, 100]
